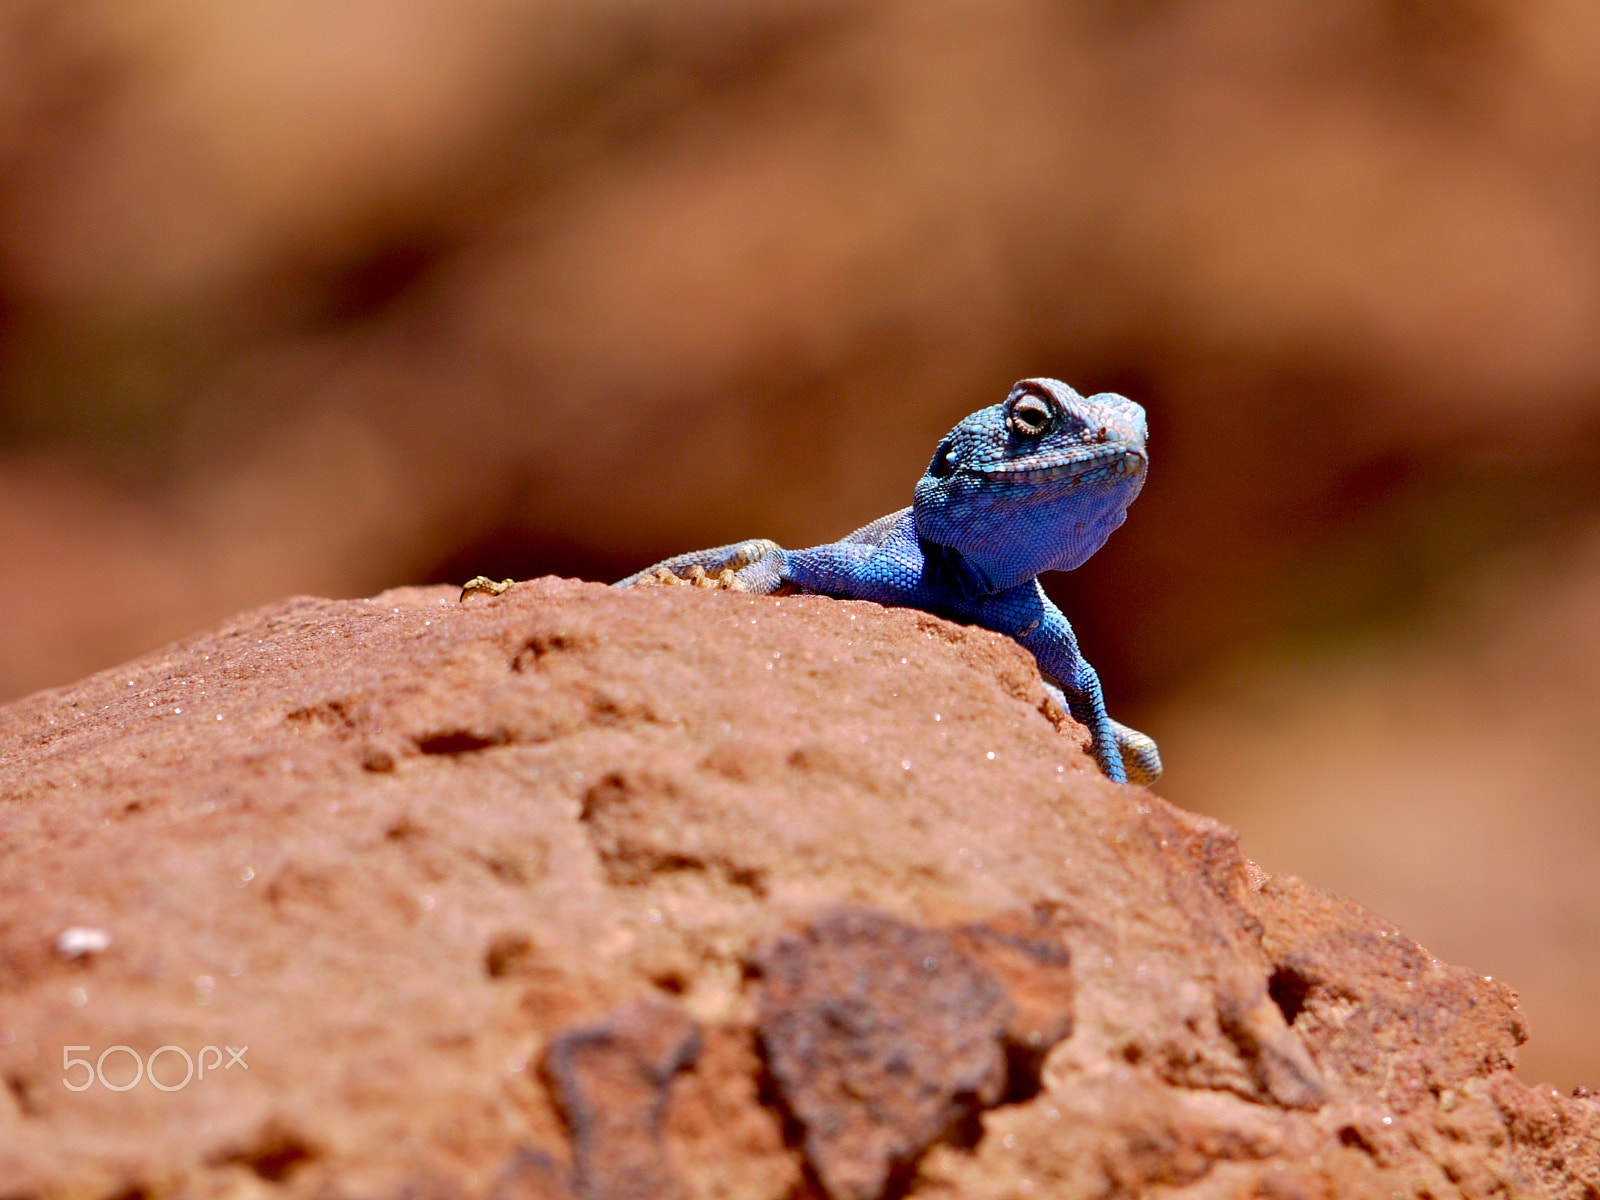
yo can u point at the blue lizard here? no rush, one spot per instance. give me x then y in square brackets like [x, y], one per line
[1034, 484]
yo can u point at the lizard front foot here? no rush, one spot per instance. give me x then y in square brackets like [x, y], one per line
[1140, 758]
[696, 576]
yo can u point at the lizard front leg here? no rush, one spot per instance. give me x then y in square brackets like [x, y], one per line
[883, 568]
[750, 566]
[1026, 613]
[1085, 701]
[761, 567]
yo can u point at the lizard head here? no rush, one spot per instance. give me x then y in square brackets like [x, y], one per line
[1036, 483]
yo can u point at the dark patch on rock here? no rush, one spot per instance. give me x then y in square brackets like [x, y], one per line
[610, 1082]
[881, 1038]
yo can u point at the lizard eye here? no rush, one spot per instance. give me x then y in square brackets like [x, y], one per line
[1030, 417]
[944, 460]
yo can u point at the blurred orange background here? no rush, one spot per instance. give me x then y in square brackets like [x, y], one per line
[312, 297]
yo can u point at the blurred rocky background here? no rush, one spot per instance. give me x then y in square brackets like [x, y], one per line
[310, 297]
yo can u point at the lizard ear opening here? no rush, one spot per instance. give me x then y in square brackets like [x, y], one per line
[943, 463]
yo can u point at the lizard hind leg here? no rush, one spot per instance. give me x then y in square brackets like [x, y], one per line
[749, 566]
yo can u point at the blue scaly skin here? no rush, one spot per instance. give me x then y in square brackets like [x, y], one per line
[1034, 484]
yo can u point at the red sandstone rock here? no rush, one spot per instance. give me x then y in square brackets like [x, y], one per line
[588, 893]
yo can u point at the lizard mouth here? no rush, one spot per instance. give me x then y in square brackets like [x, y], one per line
[1115, 463]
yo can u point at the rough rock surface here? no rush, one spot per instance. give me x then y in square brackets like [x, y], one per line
[579, 893]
